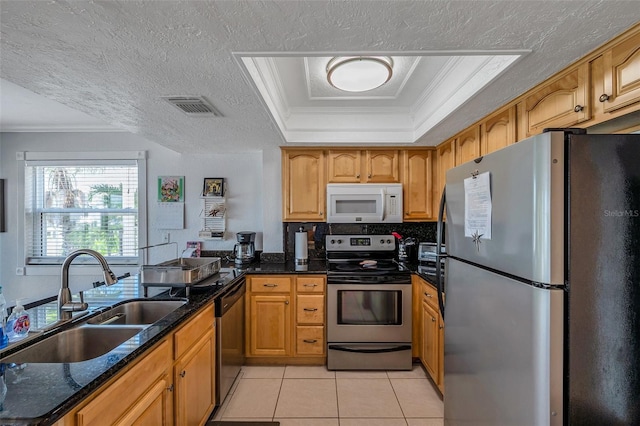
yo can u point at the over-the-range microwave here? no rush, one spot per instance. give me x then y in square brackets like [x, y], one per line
[364, 203]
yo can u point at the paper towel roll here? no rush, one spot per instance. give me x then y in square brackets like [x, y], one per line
[302, 252]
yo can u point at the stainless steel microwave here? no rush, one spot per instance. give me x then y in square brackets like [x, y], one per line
[364, 203]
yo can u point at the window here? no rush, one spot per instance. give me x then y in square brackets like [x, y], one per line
[73, 204]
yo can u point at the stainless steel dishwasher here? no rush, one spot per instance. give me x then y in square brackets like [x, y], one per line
[230, 352]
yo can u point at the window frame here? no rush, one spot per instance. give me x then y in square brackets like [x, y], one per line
[68, 158]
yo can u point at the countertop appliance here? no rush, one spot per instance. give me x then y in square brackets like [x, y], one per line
[364, 203]
[230, 353]
[245, 250]
[543, 283]
[368, 304]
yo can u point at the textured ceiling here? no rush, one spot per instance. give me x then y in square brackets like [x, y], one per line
[113, 60]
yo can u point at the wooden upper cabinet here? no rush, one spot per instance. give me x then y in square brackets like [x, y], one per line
[468, 145]
[498, 131]
[417, 184]
[382, 166]
[620, 75]
[561, 102]
[303, 185]
[344, 166]
[363, 166]
[445, 160]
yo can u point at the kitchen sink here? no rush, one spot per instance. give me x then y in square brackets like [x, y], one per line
[74, 345]
[138, 312]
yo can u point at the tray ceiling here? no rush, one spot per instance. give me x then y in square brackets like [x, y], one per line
[259, 64]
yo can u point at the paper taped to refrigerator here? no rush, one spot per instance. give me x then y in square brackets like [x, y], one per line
[477, 206]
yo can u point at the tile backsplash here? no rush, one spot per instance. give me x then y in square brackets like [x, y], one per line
[423, 232]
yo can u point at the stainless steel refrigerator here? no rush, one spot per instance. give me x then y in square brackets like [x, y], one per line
[542, 283]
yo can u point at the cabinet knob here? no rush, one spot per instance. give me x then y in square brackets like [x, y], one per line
[183, 373]
[310, 285]
[310, 340]
[428, 295]
[358, 176]
[286, 302]
[270, 285]
[433, 319]
[369, 176]
[320, 213]
[310, 309]
[441, 327]
[603, 98]
[170, 388]
[578, 108]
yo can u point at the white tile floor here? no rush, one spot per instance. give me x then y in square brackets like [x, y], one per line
[314, 396]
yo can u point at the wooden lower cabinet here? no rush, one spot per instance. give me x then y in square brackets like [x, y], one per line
[194, 383]
[429, 353]
[269, 325]
[137, 396]
[429, 338]
[153, 409]
[285, 319]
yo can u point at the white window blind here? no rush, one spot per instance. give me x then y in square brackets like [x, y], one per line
[81, 204]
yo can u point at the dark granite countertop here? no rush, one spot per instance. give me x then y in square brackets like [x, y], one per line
[41, 393]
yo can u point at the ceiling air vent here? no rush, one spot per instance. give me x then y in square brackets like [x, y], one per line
[193, 106]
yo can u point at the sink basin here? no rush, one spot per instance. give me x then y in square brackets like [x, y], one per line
[137, 312]
[77, 344]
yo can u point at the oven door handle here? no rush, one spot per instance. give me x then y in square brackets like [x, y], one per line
[370, 351]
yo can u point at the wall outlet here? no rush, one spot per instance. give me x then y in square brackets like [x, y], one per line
[20, 270]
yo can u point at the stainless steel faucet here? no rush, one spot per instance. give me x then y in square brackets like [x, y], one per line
[65, 306]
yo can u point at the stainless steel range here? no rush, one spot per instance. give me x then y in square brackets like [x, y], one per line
[368, 304]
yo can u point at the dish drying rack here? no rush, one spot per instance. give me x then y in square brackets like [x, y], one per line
[181, 272]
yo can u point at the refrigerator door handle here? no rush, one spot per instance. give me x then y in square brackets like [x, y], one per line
[439, 235]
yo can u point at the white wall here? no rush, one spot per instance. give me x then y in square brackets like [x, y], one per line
[253, 189]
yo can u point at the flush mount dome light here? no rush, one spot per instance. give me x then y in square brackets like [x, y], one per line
[359, 73]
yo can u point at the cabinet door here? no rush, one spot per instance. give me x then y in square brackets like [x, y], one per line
[416, 316]
[382, 166]
[562, 102]
[468, 145]
[498, 131]
[153, 409]
[445, 160]
[304, 185]
[430, 342]
[621, 79]
[417, 185]
[270, 325]
[195, 384]
[344, 166]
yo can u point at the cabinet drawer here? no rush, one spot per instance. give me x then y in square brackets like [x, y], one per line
[310, 309]
[191, 333]
[310, 340]
[310, 284]
[430, 295]
[109, 405]
[270, 284]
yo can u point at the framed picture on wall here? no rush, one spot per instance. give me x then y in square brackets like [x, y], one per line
[171, 189]
[213, 187]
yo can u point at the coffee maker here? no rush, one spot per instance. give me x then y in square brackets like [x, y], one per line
[244, 251]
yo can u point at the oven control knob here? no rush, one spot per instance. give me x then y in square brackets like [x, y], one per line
[339, 241]
[381, 241]
[333, 241]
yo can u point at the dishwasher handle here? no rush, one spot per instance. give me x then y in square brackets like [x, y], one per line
[226, 301]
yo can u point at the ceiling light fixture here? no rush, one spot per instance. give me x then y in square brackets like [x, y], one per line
[359, 73]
